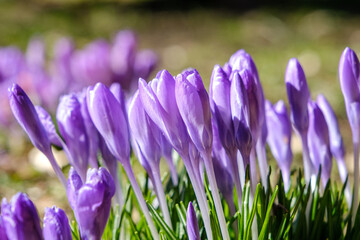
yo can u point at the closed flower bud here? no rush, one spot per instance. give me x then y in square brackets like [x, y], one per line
[20, 218]
[298, 95]
[192, 226]
[319, 146]
[56, 225]
[91, 201]
[25, 113]
[194, 107]
[91, 64]
[72, 129]
[279, 137]
[220, 106]
[48, 124]
[240, 115]
[158, 98]
[110, 120]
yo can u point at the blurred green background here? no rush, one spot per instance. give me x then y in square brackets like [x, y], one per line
[183, 36]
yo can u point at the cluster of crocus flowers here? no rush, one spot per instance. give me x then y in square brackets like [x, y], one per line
[19, 220]
[70, 69]
[221, 134]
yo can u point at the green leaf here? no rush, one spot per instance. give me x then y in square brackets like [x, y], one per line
[161, 223]
[264, 228]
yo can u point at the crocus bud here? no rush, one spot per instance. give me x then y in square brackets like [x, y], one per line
[220, 106]
[279, 138]
[254, 103]
[48, 124]
[158, 98]
[109, 119]
[144, 132]
[349, 75]
[91, 201]
[318, 139]
[20, 218]
[122, 57]
[336, 141]
[25, 113]
[72, 128]
[298, 95]
[192, 226]
[2, 230]
[91, 64]
[35, 53]
[145, 63]
[240, 115]
[11, 62]
[91, 131]
[194, 107]
[56, 225]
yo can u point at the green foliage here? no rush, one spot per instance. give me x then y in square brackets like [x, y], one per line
[300, 213]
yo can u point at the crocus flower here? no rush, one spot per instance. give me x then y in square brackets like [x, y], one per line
[91, 201]
[49, 126]
[192, 226]
[159, 102]
[2, 230]
[122, 57]
[279, 138]
[11, 62]
[56, 225]
[166, 151]
[298, 96]
[91, 131]
[158, 98]
[223, 169]
[25, 113]
[91, 64]
[20, 218]
[349, 83]
[336, 142]
[146, 137]
[318, 139]
[194, 107]
[109, 119]
[35, 53]
[72, 129]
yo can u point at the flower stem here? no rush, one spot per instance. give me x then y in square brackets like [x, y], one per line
[306, 158]
[215, 193]
[140, 199]
[200, 196]
[343, 175]
[236, 177]
[159, 189]
[172, 168]
[356, 179]
[263, 166]
[57, 169]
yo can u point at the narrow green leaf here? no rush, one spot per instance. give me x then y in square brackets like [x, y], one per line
[267, 216]
[161, 223]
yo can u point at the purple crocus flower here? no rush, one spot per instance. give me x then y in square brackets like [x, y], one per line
[3, 235]
[122, 58]
[279, 138]
[166, 151]
[49, 126]
[91, 201]
[35, 53]
[91, 131]
[318, 139]
[349, 82]
[25, 113]
[56, 225]
[192, 226]
[159, 102]
[298, 96]
[194, 107]
[223, 169]
[158, 98]
[72, 129]
[145, 63]
[11, 63]
[91, 64]
[20, 218]
[336, 142]
[241, 116]
[110, 120]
